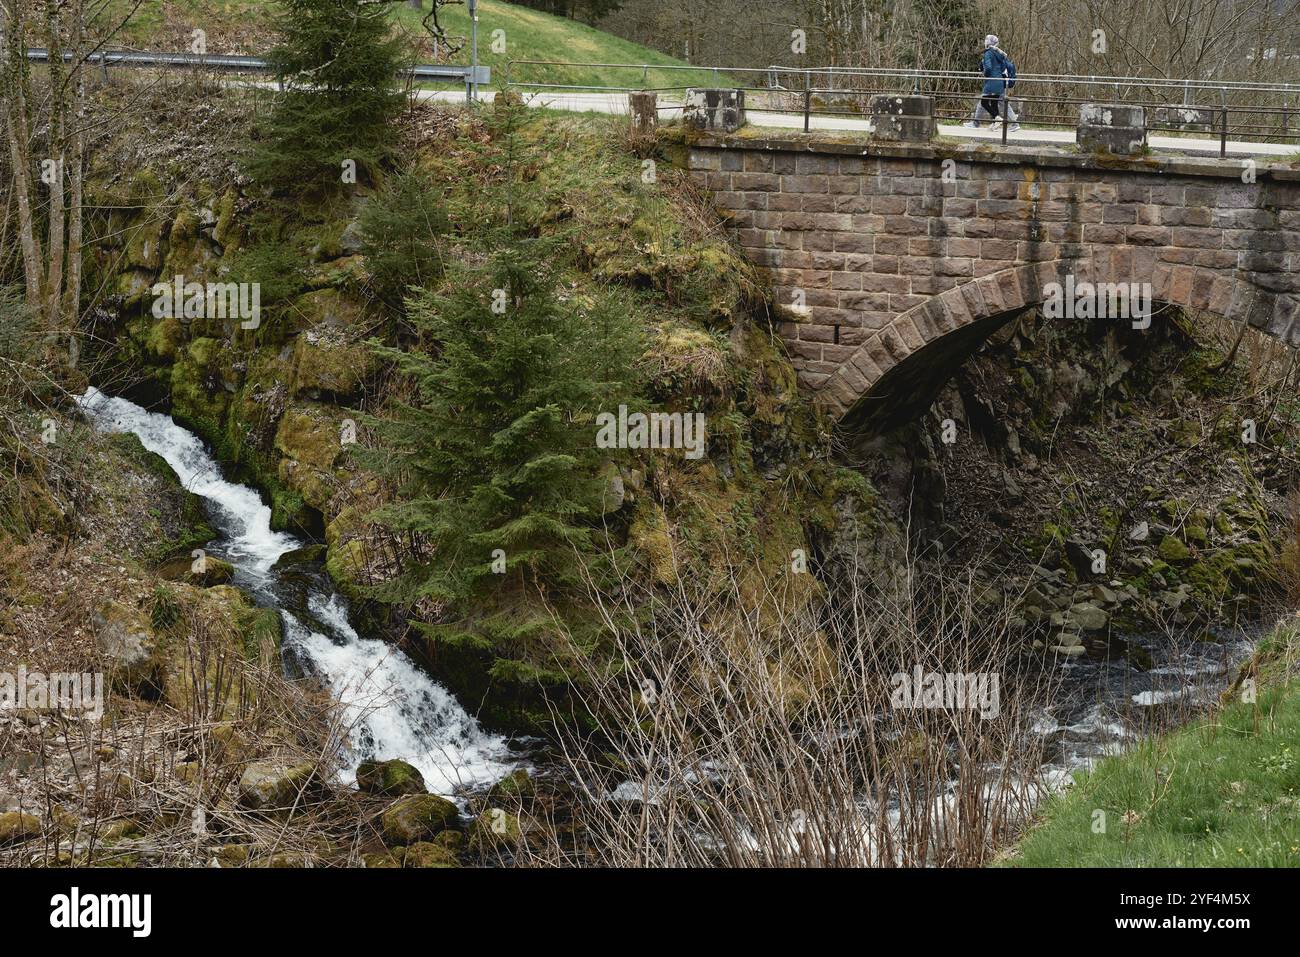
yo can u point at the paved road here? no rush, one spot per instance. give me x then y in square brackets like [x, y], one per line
[618, 103]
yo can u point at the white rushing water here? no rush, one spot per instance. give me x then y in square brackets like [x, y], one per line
[394, 709]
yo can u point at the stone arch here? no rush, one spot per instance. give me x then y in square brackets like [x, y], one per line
[1225, 294]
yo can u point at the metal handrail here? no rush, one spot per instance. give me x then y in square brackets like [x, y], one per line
[1181, 85]
[230, 63]
[1251, 114]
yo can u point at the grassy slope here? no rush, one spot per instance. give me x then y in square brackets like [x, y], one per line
[1222, 792]
[529, 35]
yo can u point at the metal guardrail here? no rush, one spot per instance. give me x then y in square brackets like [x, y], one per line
[1269, 111]
[471, 76]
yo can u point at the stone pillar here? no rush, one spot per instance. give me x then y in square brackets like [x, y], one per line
[645, 111]
[1195, 118]
[721, 111]
[1116, 128]
[902, 118]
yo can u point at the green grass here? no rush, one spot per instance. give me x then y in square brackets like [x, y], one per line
[529, 35]
[1223, 792]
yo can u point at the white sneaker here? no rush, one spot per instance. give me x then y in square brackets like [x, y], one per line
[971, 125]
[1013, 127]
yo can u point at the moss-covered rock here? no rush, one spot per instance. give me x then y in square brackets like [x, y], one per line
[310, 440]
[417, 817]
[518, 785]
[299, 556]
[1173, 550]
[495, 830]
[129, 648]
[327, 368]
[390, 777]
[424, 854]
[165, 339]
[274, 785]
[203, 572]
[328, 309]
[18, 826]
[199, 398]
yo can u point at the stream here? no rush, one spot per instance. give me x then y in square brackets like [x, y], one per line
[396, 710]
[393, 707]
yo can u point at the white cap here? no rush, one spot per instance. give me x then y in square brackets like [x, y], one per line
[990, 41]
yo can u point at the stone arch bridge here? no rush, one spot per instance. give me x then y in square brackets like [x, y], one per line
[891, 263]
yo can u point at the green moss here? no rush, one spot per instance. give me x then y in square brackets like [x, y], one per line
[417, 817]
[224, 232]
[1173, 550]
[330, 368]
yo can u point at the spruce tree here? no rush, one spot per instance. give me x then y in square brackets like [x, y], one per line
[495, 462]
[338, 63]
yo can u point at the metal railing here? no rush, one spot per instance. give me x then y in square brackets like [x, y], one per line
[1246, 109]
[470, 76]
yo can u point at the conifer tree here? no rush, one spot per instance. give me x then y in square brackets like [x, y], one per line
[338, 63]
[495, 461]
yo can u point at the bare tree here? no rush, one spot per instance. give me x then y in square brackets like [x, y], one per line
[49, 124]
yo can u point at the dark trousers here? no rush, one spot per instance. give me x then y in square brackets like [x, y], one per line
[990, 104]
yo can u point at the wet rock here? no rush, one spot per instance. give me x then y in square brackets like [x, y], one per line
[516, 785]
[417, 817]
[1086, 616]
[300, 556]
[1069, 651]
[390, 777]
[495, 830]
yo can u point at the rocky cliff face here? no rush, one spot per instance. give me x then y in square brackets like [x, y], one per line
[278, 403]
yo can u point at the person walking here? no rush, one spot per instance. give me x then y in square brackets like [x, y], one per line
[999, 75]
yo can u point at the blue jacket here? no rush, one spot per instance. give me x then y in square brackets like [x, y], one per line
[997, 66]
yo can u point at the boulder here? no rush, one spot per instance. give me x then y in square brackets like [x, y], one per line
[1085, 616]
[417, 817]
[15, 827]
[516, 785]
[1079, 555]
[273, 785]
[390, 777]
[128, 647]
[212, 571]
[300, 556]
[495, 830]
[424, 854]
[327, 367]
